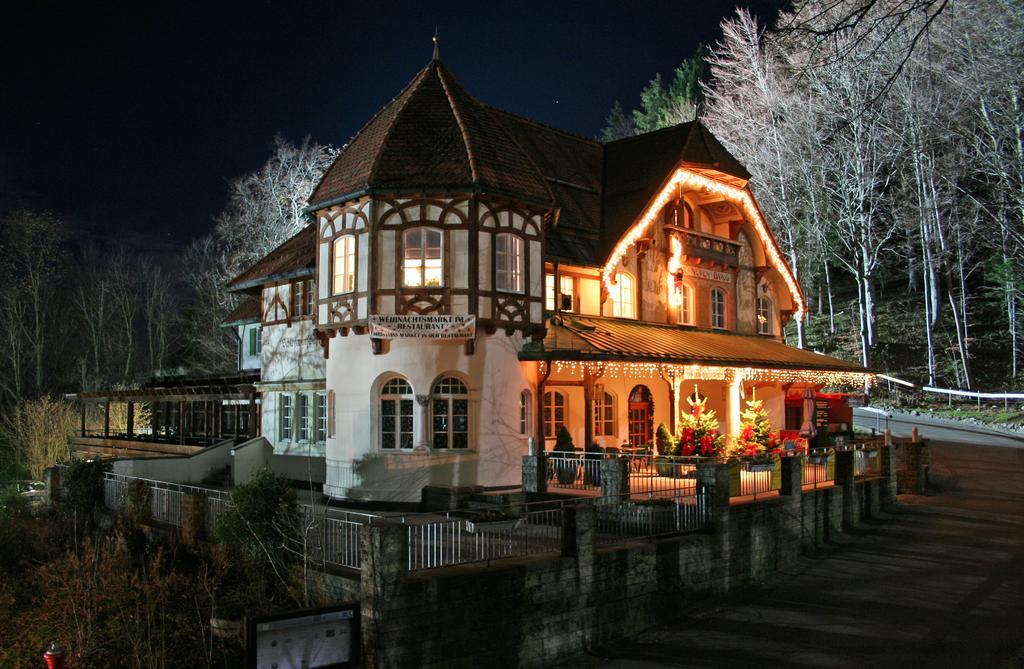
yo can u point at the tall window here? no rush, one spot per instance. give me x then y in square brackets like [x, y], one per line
[524, 412]
[286, 417]
[450, 414]
[549, 292]
[508, 263]
[302, 298]
[321, 417]
[764, 316]
[685, 305]
[396, 414]
[604, 414]
[304, 417]
[423, 262]
[554, 413]
[623, 296]
[344, 278]
[718, 308]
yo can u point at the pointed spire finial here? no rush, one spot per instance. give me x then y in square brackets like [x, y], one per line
[437, 46]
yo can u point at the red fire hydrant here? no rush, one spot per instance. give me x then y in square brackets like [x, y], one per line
[54, 657]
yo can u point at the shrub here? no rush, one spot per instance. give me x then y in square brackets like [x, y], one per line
[665, 442]
[83, 486]
[563, 441]
[35, 434]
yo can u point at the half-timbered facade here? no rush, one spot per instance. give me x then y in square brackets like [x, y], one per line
[471, 281]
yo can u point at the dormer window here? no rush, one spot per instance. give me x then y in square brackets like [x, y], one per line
[344, 277]
[508, 263]
[423, 259]
[567, 285]
[623, 296]
[718, 308]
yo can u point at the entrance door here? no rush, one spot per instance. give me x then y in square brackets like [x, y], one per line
[640, 416]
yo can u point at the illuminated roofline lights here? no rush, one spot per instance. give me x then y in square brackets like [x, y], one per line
[741, 197]
[626, 369]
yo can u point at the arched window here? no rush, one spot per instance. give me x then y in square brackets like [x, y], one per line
[554, 413]
[396, 414]
[686, 305]
[423, 259]
[764, 316]
[686, 216]
[604, 414]
[718, 308]
[450, 414]
[623, 296]
[344, 276]
[524, 412]
[508, 263]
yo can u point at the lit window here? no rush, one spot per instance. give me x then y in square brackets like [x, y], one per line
[524, 412]
[450, 426]
[396, 414]
[567, 289]
[423, 263]
[604, 414]
[286, 417]
[554, 413]
[304, 417]
[764, 316]
[344, 264]
[623, 298]
[321, 417]
[549, 292]
[685, 305]
[718, 308]
[508, 263]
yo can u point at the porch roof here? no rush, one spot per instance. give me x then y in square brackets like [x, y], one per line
[572, 337]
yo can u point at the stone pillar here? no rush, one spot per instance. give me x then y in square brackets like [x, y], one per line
[792, 474]
[193, 517]
[421, 445]
[888, 480]
[713, 482]
[579, 533]
[384, 572]
[845, 480]
[733, 403]
[614, 478]
[535, 473]
[914, 477]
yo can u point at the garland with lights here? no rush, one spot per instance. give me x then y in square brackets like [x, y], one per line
[632, 370]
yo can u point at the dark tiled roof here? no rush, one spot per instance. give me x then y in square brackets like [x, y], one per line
[295, 257]
[596, 338]
[247, 311]
[434, 137]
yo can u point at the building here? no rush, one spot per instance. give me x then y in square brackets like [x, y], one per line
[472, 280]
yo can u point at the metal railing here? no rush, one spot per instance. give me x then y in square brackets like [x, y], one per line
[630, 520]
[436, 540]
[577, 472]
[818, 469]
[341, 478]
[757, 480]
[867, 462]
[331, 540]
[662, 476]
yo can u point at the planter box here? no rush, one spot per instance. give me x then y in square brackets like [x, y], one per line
[817, 460]
[493, 525]
[760, 466]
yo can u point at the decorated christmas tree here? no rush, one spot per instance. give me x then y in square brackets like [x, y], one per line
[756, 436]
[699, 428]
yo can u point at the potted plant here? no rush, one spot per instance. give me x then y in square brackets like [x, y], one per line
[494, 520]
[667, 447]
[699, 435]
[567, 466]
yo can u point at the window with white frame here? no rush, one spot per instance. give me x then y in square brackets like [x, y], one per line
[508, 262]
[685, 305]
[321, 417]
[554, 413]
[604, 414]
[305, 420]
[623, 295]
[549, 292]
[423, 257]
[524, 412]
[344, 275]
[718, 308]
[285, 416]
[396, 402]
[450, 411]
[764, 316]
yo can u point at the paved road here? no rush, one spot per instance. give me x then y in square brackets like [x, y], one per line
[938, 429]
[941, 584]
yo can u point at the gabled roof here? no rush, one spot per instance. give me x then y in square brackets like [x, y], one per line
[295, 258]
[247, 311]
[602, 338]
[433, 137]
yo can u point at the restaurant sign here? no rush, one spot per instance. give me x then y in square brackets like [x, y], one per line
[710, 275]
[431, 326]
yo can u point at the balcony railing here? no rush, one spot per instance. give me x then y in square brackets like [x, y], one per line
[710, 247]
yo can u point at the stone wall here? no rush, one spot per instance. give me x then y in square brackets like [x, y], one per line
[535, 612]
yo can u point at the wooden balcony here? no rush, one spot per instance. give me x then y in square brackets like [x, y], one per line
[709, 249]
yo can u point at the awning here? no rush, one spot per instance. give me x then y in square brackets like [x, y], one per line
[592, 338]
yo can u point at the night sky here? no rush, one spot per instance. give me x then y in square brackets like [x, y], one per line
[129, 119]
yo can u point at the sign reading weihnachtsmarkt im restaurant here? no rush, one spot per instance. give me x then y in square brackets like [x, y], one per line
[431, 326]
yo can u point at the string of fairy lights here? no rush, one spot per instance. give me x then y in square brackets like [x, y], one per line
[625, 369]
[740, 197]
